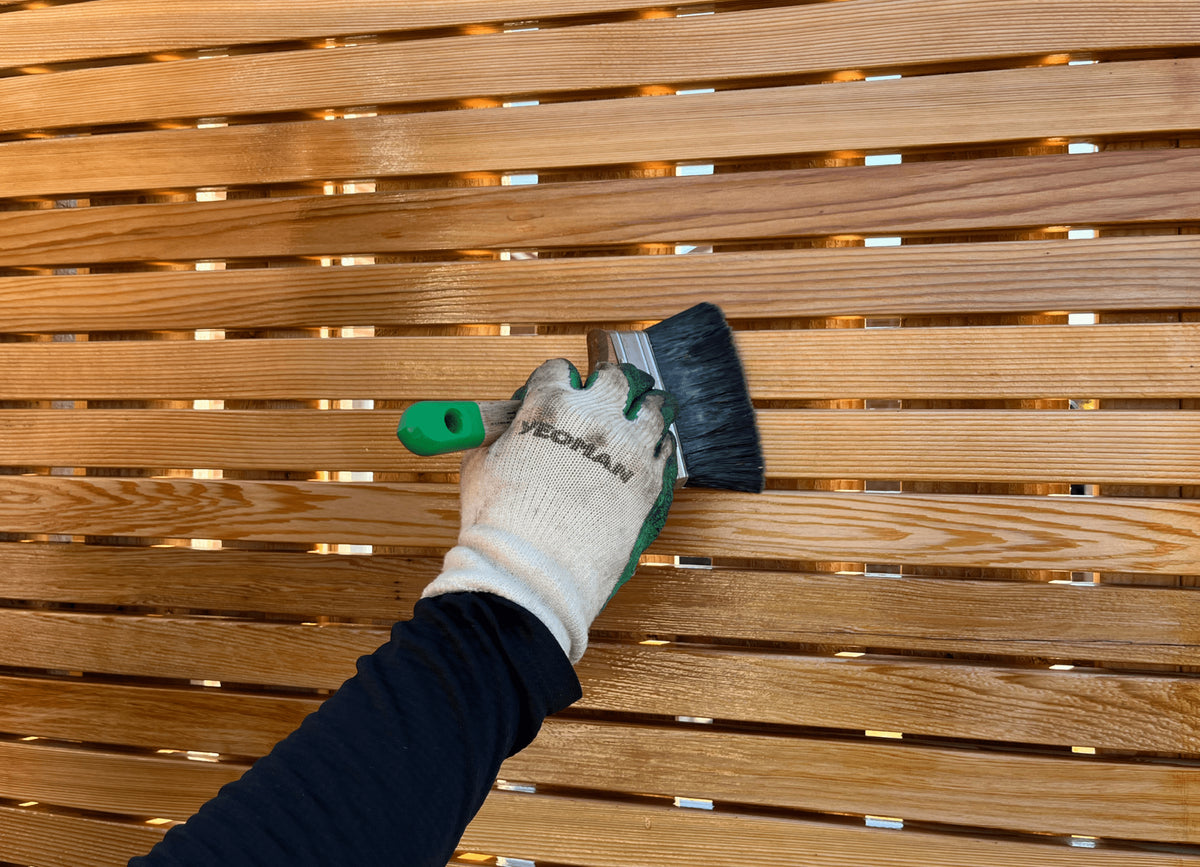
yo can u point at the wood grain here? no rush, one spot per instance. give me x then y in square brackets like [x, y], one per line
[751, 45]
[916, 783]
[206, 719]
[986, 362]
[280, 654]
[1117, 711]
[613, 834]
[874, 776]
[996, 446]
[98, 29]
[1018, 532]
[869, 32]
[610, 834]
[906, 613]
[1153, 272]
[1015, 192]
[334, 512]
[283, 583]
[1120, 623]
[268, 369]
[1024, 781]
[114, 782]
[235, 439]
[920, 112]
[57, 839]
[1133, 624]
[1001, 446]
[1029, 705]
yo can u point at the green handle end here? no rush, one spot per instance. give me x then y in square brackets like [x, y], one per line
[435, 427]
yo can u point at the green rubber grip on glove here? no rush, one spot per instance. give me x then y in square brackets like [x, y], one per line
[435, 427]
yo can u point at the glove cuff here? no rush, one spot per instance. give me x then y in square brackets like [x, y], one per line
[488, 560]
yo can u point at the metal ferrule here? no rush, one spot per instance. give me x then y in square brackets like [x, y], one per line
[634, 348]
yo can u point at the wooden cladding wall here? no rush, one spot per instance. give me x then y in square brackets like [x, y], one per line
[958, 244]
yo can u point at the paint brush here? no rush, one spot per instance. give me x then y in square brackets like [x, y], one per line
[691, 355]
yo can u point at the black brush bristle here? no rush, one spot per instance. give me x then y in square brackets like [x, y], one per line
[699, 365]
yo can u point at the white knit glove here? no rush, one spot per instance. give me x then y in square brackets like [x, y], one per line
[557, 511]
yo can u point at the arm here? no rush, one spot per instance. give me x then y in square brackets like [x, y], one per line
[392, 768]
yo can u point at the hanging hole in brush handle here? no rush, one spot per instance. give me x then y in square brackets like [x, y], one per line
[438, 427]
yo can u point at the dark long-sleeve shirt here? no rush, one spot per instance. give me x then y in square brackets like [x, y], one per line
[392, 767]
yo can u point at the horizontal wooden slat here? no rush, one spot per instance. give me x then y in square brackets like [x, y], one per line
[336, 512]
[888, 694]
[1136, 625]
[52, 837]
[96, 29]
[881, 693]
[1122, 623]
[875, 776]
[916, 783]
[1018, 532]
[102, 28]
[189, 648]
[539, 826]
[340, 585]
[608, 834]
[1151, 272]
[1045, 361]
[58, 839]
[613, 834]
[401, 368]
[1007, 446]
[1114, 623]
[1009, 532]
[1088, 189]
[150, 786]
[1052, 361]
[1138, 448]
[768, 43]
[352, 440]
[1065, 101]
[204, 719]
[864, 611]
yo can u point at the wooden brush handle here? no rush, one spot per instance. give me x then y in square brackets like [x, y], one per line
[497, 415]
[437, 427]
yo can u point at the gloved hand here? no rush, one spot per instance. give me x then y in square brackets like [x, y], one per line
[557, 511]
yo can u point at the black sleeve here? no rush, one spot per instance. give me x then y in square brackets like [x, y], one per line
[392, 767]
